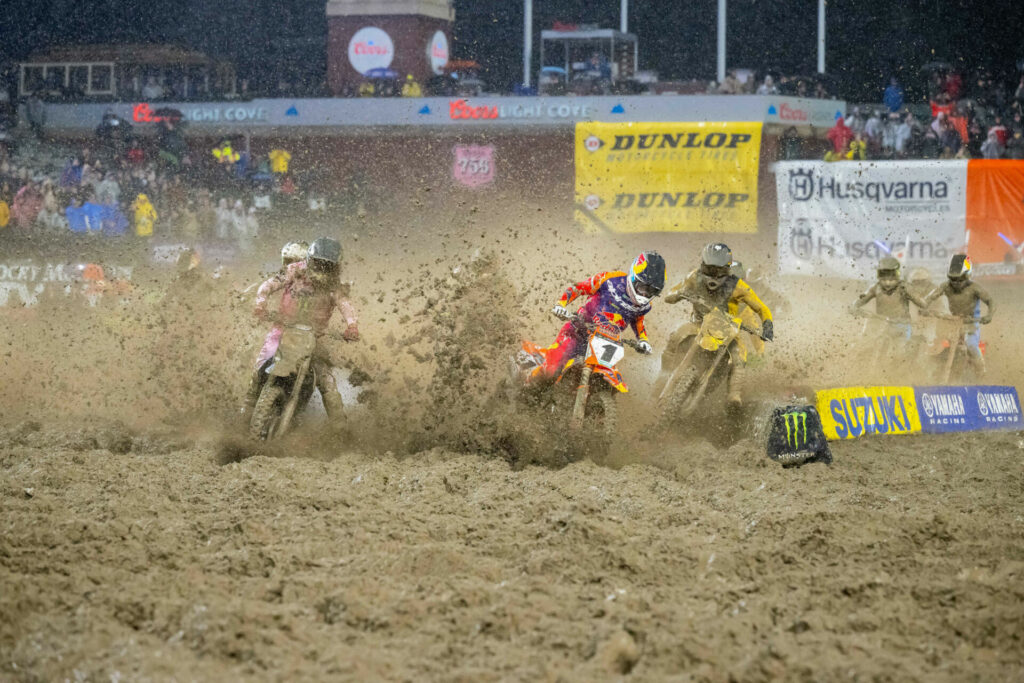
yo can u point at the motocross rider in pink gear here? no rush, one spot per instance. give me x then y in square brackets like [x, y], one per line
[311, 294]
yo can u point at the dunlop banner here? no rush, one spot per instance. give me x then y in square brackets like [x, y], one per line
[858, 411]
[667, 177]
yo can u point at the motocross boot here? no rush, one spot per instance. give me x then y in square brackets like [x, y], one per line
[252, 394]
[328, 390]
[735, 396]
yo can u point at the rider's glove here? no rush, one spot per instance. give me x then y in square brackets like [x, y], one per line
[985, 319]
[351, 333]
[767, 330]
[559, 312]
[644, 347]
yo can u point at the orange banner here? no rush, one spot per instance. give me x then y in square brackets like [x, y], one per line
[995, 210]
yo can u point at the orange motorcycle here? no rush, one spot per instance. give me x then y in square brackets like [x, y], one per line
[592, 374]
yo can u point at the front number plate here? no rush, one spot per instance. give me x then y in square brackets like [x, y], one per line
[606, 352]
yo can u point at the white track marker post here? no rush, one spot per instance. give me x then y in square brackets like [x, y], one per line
[624, 17]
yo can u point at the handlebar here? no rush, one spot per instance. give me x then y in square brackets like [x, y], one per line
[578, 321]
[694, 300]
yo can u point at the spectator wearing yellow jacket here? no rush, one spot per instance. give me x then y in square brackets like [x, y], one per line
[145, 216]
[279, 159]
[225, 153]
[411, 88]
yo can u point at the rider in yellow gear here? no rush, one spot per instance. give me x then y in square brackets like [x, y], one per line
[712, 285]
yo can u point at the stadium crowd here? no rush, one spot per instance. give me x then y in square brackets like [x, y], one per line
[979, 119]
[121, 188]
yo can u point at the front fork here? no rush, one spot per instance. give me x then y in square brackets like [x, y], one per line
[293, 399]
[579, 409]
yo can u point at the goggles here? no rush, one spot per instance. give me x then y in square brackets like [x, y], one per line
[646, 290]
[715, 271]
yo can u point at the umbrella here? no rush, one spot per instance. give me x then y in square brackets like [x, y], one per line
[553, 70]
[168, 114]
[381, 73]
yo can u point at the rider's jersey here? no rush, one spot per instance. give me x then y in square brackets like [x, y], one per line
[964, 303]
[894, 304]
[302, 302]
[734, 293]
[609, 302]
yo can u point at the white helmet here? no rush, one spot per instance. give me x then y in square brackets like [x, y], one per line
[293, 251]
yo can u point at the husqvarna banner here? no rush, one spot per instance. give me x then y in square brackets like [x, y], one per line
[850, 412]
[659, 177]
[840, 218]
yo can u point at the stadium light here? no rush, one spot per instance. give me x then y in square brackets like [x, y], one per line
[527, 39]
[821, 36]
[721, 40]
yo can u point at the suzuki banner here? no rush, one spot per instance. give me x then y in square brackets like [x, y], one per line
[840, 218]
[658, 177]
[850, 412]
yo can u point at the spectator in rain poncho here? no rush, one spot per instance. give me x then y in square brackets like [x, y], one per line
[145, 216]
[991, 148]
[28, 202]
[840, 136]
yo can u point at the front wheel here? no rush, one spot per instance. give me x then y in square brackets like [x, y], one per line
[609, 420]
[267, 414]
[674, 405]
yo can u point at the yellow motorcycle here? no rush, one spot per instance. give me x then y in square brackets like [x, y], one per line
[713, 344]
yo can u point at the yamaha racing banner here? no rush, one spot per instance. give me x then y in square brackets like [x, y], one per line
[968, 409]
[662, 177]
[840, 218]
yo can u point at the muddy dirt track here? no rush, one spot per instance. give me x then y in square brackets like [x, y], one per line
[432, 541]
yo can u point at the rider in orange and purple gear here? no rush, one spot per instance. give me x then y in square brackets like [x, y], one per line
[615, 297]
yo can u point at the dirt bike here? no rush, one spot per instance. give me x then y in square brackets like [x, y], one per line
[594, 361]
[949, 351]
[289, 384]
[705, 363]
[884, 338]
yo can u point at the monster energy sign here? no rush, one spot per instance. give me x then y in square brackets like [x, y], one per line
[796, 430]
[795, 436]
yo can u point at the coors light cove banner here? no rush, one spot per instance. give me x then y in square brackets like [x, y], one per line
[840, 218]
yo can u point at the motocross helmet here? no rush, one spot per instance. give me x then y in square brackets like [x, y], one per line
[715, 262]
[292, 252]
[889, 273]
[646, 278]
[959, 273]
[323, 259]
[920, 275]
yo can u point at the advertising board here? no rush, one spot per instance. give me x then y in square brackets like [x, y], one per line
[668, 177]
[838, 219]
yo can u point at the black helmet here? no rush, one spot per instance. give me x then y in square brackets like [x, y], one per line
[324, 255]
[715, 263]
[646, 278]
[889, 272]
[959, 273]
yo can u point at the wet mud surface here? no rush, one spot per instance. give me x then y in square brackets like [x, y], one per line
[902, 561]
[437, 536]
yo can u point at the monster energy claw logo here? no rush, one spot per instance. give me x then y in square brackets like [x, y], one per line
[796, 430]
